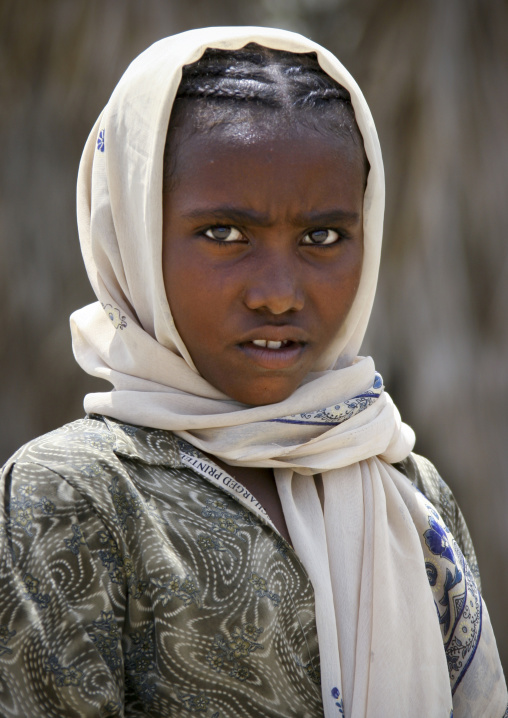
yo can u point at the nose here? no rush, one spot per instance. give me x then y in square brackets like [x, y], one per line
[274, 283]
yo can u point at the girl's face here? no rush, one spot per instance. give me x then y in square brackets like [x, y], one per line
[262, 253]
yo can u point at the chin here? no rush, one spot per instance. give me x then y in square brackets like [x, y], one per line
[264, 397]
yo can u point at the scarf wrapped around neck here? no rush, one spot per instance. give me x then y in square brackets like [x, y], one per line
[367, 548]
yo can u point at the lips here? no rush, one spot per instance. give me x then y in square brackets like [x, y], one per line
[271, 355]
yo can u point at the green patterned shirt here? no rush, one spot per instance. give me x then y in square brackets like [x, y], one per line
[134, 583]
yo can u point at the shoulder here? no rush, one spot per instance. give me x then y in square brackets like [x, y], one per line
[96, 441]
[426, 478]
[66, 446]
[86, 457]
[61, 455]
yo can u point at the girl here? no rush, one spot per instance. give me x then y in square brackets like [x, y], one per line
[239, 527]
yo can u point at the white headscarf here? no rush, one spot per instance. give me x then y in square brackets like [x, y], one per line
[380, 643]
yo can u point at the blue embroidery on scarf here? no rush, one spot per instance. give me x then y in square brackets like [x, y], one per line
[338, 699]
[437, 541]
[338, 413]
[456, 596]
[100, 141]
[115, 316]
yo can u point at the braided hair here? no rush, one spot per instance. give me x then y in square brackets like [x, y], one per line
[261, 86]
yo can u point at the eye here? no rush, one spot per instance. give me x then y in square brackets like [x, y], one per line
[321, 236]
[223, 233]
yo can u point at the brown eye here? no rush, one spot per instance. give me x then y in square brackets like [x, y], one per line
[223, 233]
[321, 236]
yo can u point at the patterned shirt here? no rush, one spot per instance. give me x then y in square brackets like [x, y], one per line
[136, 581]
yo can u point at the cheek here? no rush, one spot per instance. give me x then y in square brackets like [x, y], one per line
[177, 270]
[195, 297]
[184, 302]
[336, 295]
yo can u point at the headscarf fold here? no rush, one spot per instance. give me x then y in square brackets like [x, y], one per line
[381, 645]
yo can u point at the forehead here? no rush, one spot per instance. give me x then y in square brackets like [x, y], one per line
[249, 121]
[279, 150]
[289, 176]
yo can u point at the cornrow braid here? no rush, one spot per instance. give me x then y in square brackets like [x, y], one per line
[228, 89]
[225, 87]
[325, 94]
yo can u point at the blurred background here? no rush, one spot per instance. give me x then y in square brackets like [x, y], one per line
[435, 76]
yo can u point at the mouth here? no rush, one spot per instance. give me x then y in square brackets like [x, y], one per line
[272, 354]
[268, 344]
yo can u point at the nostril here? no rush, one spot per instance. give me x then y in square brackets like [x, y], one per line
[274, 295]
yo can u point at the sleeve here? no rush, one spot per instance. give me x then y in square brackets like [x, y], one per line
[424, 475]
[60, 648]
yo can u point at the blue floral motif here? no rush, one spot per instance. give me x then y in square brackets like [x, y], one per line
[337, 413]
[139, 663]
[21, 508]
[259, 584]
[431, 573]
[126, 503]
[331, 415]
[224, 523]
[114, 314]
[216, 508]
[456, 595]
[246, 516]
[338, 700]
[65, 676]
[437, 540]
[106, 638]
[196, 702]
[184, 590]
[111, 557]
[40, 599]
[120, 567]
[96, 441]
[27, 490]
[242, 642]
[21, 514]
[100, 141]
[210, 542]
[224, 520]
[228, 525]
[92, 470]
[5, 637]
[281, 546]
[464, 638]
[449, 584]
[76, 541]
[47, 507]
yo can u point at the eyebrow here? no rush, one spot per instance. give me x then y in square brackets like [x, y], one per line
[249, 216]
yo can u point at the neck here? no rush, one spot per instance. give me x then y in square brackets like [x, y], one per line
[261, 484]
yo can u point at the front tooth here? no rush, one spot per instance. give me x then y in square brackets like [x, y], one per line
[259, 342]
[273, 345]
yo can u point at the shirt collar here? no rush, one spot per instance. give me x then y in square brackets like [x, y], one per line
[154, 447]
